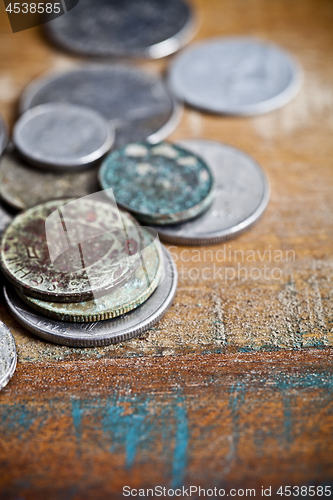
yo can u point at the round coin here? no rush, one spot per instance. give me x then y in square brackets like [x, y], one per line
[23, 186]
[99, 333]
[62, 136]
[161, 184]
[134, 28]
[236, 76]
[122, 300]
[242, 194]
[70, 250]
[8, 357]
[3, 136]
[138, 105]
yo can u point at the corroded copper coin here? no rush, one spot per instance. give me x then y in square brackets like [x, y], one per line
[160, 184]
[122, 300]
[70, 250]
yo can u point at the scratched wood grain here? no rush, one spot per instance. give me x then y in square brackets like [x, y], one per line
[233, 388]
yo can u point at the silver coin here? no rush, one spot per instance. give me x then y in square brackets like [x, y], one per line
[3, 136]
[236, 76]
[135, 28]
[5, 218]
[242, 194]
[137, 104]
[62, 136]
[8, 356]
[100, 333]
[23, 186]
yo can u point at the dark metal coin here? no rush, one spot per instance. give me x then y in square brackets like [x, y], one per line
[242, 195]
[135, 28]
[8, 357]
[5, 217]
[237, 76]
[137, 104]
[100, 333]
[62, 136]
[161, 184]
[3, 136]
[23, 186]
[70, 250]
[122, 300]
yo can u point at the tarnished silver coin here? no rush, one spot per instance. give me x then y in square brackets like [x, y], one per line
[22, 186]
[134, 28]
[241, 196]
[160, 184]
[137, 104]
[62, 136]
[70, 250]
[122, 300]
[5, 217]
[99, 333]
[3, 136]
[8, 356]
[236, 76]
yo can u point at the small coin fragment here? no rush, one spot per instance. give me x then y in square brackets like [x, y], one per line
[137, 104]
[62, 136]
[23, 186]
[242, 194]
[160, 184]
[122, 300]
[235, 76]
[8, 356]
[134, 28]
[99, 333]
[70, 250]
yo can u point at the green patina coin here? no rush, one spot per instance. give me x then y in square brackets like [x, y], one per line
[122, 300]
[70, 250]
[160, 184]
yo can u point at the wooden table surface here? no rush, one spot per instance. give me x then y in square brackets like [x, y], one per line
[233, 388]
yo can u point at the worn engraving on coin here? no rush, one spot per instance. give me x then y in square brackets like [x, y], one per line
[70, 250]
[62, 136]
[7, 355]
[161, 184]
[3, 136]
[23, 186]
[240, 76]
[139, 28]
[99, 333]
[122, 300]
[137, 104]
[242, 194]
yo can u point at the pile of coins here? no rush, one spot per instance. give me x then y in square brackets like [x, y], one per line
[80, 271]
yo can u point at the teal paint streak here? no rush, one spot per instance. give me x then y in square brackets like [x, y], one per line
[77, 418]
[181, 447]
[236, 402]
[288, 423]
[19, 418]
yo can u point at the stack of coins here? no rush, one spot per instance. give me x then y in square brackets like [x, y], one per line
[74, 264]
